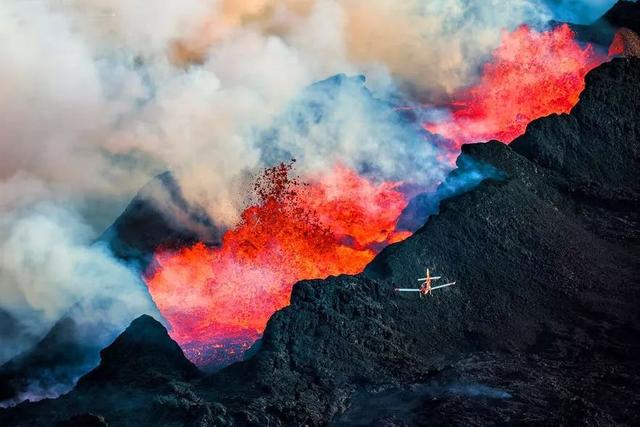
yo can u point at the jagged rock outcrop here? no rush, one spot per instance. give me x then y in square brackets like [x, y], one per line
[143, 354]
[624, 14]
[158, 217]
[83, 420]
[142, 379]
[608, 114]
[542, 326]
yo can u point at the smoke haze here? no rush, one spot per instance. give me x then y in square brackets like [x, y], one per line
[49, 269]
[103, 94]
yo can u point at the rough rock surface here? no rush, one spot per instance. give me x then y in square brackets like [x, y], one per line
[55, 362]
[142, 379]
[542, 326]
[143, 352]
[547, 264]
[83, 420]
[159, 216]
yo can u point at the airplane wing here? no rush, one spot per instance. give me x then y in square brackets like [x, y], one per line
[406, 290]
[423, 279]
[443, 286]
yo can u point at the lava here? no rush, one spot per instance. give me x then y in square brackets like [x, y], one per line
[531, 75]
[218, 300]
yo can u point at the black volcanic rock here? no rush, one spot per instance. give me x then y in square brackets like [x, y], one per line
[159, 216]
[142, 380]
[55, 362]
[542, 326]
[624, 14]
[144, 353]
[83, 420]
[608, 115]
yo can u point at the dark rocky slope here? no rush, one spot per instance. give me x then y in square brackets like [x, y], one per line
[158, 216]
[144, 352]
[55, 362]
[542, 327]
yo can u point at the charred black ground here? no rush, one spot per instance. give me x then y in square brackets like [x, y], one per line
[542, 327]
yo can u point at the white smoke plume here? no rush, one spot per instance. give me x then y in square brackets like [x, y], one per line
[101, 94]
[50, 270]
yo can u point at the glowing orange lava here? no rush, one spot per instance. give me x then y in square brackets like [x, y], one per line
[218, 300]
[531, 75]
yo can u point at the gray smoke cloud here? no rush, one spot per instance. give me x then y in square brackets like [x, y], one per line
[51, 269]
[101, 96]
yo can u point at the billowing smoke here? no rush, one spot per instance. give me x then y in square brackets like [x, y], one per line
[50, 270]
[100, 95]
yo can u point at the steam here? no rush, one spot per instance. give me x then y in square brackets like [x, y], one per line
[100, 97]
[50, 270]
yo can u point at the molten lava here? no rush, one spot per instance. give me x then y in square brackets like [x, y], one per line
[218, 300]
[531, 75]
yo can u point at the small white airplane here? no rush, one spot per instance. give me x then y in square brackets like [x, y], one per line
[426, 287]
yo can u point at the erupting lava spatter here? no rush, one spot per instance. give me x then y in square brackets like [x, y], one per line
[218, 300]
[531, 75]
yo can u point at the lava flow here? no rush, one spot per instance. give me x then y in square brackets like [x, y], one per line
[218, 300]
[531, 75]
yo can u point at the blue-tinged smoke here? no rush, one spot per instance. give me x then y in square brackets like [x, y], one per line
[51, 274]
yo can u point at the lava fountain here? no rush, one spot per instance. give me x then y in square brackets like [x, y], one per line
[218, 299]
[531, 75]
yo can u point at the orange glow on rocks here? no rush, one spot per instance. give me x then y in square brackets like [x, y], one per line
[531, 75]
[626, 42]
[218, 300]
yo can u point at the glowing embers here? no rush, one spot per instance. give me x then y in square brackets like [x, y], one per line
[218, 300]
[626, 42]
[531, 75]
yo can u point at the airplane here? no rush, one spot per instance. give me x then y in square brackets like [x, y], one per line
[426, 287]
